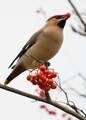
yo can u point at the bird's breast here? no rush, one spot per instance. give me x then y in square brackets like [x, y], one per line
[48, 44]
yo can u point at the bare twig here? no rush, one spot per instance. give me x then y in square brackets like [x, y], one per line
[64, 93]
[82, 76]
[70, 88]
[82, 95]
[76, 109]
[68, 101]
[51, 102]
[58, 79]
[72, 77]
[77, 31]
[77, 13]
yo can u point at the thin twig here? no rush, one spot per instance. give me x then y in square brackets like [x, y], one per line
[77, 31]
[62, 88]
[64, 93]
[82, 95]
[76, 109]
[77, 13]
[58, 79]
[82, 76]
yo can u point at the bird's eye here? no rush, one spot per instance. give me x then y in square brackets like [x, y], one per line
[57, 17]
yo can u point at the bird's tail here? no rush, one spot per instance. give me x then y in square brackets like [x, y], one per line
[16, 71]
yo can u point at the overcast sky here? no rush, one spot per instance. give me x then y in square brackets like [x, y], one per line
[18, 21]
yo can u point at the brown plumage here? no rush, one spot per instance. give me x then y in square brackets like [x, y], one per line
[43, 45]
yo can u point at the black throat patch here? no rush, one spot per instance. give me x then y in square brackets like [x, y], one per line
[62, 23]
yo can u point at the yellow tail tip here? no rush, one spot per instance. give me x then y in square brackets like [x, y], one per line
[6, 82]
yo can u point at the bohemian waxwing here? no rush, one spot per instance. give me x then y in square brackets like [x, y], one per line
[43, 45]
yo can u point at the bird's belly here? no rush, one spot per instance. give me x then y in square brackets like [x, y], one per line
[45, 52]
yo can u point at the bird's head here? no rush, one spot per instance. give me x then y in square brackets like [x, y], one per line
[59, 20]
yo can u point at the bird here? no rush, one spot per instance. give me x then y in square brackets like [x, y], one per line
[42, 46]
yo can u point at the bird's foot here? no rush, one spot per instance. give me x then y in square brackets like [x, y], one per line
[46, 64]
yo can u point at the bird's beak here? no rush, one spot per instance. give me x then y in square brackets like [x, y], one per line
[65, 17]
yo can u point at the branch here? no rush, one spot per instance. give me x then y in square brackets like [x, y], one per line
[82, 95]
[77, 13]
[84, 34]
[51, 102]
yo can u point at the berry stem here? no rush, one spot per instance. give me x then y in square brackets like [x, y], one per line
[47, 96]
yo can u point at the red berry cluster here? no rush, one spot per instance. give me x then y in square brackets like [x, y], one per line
[49, 111]
[43, 79]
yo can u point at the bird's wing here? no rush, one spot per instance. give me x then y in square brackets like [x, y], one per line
[29, 43]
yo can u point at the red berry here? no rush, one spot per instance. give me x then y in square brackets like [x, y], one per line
[48, 72]
[50, 112]
[34, 83]
[68, 15]
[54, 112]
[69, 118]
[43, 78]
[42, 93]
[53, 74]
[44, 84]
[38, 11]
[64, 114]
[41, 72]
[45, 71]
[39, 82]
[47, 88]
[36, 89]
[41, 86]
[39, 75]
[29, 77]
[42, 106]
[43, 96]
[31, 80]
[37, 78]
[42, 68]
[50, 81]
[53, 86]
[33, 76]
